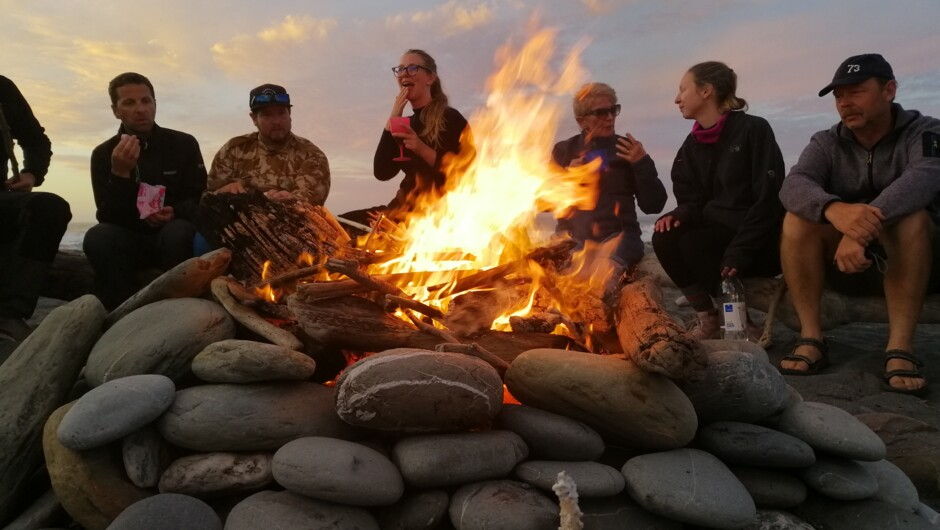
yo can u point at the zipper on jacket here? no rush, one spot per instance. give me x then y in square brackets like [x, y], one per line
[871, 177]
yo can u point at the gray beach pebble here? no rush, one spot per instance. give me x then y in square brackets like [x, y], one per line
[771, 488]
[159, 338]
[338, 471]
[551, 436]
[621, 512]
[840, 478]
[894, 486]
[247, 361]
[502, 505]
[746, 444]
[145, 456]
[437, 460]
[738, 386]
[251, 417]
[832, 430]
[593, 479]
[691, 486]
[217, 474]
[416, 511]
[167, 511]
[283, 509]
[115, 409]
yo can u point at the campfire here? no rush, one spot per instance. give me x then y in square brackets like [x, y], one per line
[466, 267]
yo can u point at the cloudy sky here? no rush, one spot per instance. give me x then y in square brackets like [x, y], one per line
[334, 58]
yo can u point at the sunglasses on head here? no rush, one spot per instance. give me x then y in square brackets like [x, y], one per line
[263, 99]
[409, 70]
[600, 113]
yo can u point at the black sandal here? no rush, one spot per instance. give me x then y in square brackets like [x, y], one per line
[914, 373]
[812, 366]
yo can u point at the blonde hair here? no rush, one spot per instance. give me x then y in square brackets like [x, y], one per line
[723, 80]
[433, 113]
[586, 94]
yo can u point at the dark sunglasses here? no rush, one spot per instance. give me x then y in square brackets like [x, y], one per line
[264, 99]
[600, 113]
[410, 70]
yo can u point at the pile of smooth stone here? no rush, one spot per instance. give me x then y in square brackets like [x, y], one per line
[184, 426]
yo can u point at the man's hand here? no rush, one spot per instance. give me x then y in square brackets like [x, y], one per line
[279, 195]
[666, 223]
[729, 272]
[124, 156]
[161, 217]
[861, 222]
[25, 182]
[630, 149]
[850, 256]
[231, 187]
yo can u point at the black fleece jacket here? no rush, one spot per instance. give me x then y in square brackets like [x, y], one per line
[26, 130]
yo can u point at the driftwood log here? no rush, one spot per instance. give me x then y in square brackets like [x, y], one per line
[354, 323]
[257, 229]
[650, 337]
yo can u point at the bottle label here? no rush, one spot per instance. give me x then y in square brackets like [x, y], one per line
[734, 316]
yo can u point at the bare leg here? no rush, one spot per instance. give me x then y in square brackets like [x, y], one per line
[908, 246]
[804, 248]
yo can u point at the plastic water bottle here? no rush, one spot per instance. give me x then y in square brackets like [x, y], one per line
[733, 309]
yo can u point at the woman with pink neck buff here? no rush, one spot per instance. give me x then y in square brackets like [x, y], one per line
[725, 178]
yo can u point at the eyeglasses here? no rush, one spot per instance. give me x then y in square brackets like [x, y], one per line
[600, 113]
[410, 70]
[263, 99]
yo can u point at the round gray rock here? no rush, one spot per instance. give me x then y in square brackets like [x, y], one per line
[691, 486]
[551, 436]
[593, 479]
[167, 511]
[832, 430]
[217, 474]
[771, 488]
[115, 409]
[283, 509]
[746, 444]
[829, 514]
[437, 460]
[840, 478]
[247, 361]
[417, 511]
[145, 456]
[502, 505]
[609, 393]
[620, 512]
[338, 471]
[159, 338]
[412, 390]
[737, 386]
[251, 417]
[777, 520]
[894, 486]
[750, 348]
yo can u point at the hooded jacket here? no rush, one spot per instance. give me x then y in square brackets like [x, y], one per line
[899, 175]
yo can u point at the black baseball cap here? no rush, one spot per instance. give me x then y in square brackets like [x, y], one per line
[858, 69]
[268, 94]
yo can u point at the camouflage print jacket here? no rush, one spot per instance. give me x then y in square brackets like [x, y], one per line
[298, 167]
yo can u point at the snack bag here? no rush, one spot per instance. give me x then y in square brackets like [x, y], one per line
[149, 199]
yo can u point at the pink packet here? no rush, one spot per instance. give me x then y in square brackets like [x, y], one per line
[149, 199]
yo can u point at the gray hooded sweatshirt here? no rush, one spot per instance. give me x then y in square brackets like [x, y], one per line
[900, 174]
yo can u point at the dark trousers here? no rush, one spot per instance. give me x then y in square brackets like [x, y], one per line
[31, 228]
[692, 255]
[117, 254]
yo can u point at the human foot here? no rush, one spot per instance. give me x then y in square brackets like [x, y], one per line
[808, 357]
[902, 373]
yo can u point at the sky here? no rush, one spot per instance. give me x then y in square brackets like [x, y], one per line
[335, 58]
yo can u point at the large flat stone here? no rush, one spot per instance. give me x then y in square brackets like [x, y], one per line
[502, 505]
[248, 361]
[283, 509]
[437, 460]
[832, 430]
[551, 436]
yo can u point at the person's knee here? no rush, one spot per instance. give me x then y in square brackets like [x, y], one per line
[177, 232]
[50, 208]
[796, 228]
[103, 240]
[910, 229]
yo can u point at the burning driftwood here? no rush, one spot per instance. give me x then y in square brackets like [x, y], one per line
[257, 230]
[650, 337]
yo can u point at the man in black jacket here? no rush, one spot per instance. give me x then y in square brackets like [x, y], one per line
[142, 157]
[31, 223]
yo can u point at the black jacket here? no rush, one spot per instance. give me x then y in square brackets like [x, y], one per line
[167, 157]
[26, 130]
[420, 178]
[622, 187]
[735, 183]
